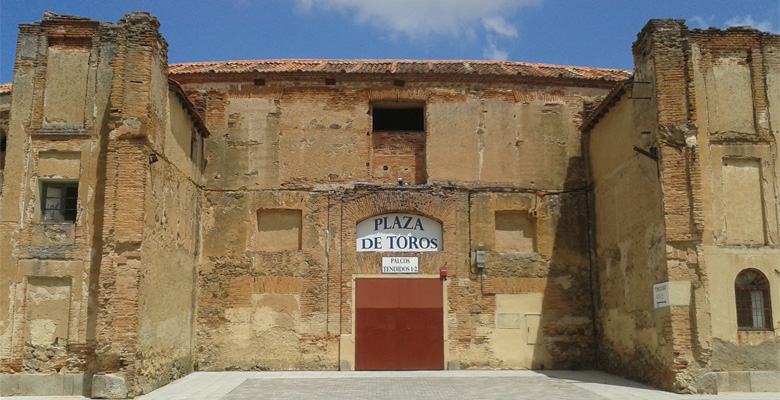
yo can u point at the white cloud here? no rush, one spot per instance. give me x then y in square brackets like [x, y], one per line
[491, 52]
[498, 25]
[697, 22]
[424, 17]
[748, 20]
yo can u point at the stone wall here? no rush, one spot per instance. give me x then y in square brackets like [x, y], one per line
[634, 338]
[735, 93]
[46, 265]
[292, 158]
[260, 307]
[238, 250]
[91, 293]
[715, 149]
[170, 252]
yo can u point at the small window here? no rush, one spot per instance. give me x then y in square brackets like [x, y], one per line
[60, 201]
[754, 309]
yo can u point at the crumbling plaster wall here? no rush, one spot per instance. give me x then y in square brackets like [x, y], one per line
[170, 253]
[629, 244]
[315, 140]
[268, 135]
[260, 308]
[709, 94]
[545, 287]
[518, 138]
[45, 267]
[737, 98]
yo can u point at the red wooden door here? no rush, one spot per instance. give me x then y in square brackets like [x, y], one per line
[399, 324]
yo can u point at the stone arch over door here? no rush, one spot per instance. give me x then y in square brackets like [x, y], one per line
[450, 208]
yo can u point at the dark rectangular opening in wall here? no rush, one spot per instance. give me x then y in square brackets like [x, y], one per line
[399, 119]
[398, 144]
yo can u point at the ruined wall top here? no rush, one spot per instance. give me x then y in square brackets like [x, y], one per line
[658, 25]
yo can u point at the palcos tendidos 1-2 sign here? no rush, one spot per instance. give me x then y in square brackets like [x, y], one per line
[399, 232]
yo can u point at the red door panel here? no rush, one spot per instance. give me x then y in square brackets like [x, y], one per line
[399, 324]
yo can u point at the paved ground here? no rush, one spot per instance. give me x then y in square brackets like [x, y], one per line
[579, 385]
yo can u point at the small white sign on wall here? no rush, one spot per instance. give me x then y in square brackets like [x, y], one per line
[661, 295]
[400, 265]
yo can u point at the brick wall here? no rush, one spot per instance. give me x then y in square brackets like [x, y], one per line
[398, 155]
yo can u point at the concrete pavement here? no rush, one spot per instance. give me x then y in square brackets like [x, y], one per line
[467, 384]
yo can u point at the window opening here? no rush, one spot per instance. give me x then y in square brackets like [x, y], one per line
[60, 202]
[398, 144]
[399, 119]
[754, 310]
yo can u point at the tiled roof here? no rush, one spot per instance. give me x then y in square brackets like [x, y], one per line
[472, 68]
[189, 107]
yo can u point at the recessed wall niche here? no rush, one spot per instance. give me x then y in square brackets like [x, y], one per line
[278, 230]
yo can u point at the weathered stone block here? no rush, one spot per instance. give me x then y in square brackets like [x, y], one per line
[722, 382]
[739, 381]
[41, 384]
[108, 387]
[765, 381]
[73, 385]
[9, 384]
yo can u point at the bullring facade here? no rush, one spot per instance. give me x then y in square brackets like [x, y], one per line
[157, 219]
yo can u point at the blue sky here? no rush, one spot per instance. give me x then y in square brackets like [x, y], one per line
[595, 33]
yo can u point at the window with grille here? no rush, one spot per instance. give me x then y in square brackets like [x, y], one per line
[60, 201]
[754, 309]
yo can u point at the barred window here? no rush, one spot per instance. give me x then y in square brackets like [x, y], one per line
[60, 201]
[754, 308]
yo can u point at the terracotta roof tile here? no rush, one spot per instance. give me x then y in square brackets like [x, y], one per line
[471, 68]
[478, 68]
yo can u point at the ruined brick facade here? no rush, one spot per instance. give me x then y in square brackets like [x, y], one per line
[695, 205]
[158, 219]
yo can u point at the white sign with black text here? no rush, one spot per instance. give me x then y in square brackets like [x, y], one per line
[661, 295]
[400, 265]
[398, 232]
